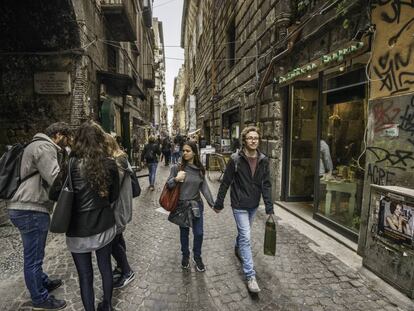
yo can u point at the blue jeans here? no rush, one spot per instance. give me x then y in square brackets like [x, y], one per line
[244, 220]
[152, 170]
[33, 227]
[175, 157]
[197, 235]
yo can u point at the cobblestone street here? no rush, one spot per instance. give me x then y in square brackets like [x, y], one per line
[298, 278]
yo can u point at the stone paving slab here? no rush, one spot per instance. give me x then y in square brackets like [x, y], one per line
[297, 278]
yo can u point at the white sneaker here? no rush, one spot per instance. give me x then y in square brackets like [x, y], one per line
[252, 285]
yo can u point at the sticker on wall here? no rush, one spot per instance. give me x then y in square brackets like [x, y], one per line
[390, 130]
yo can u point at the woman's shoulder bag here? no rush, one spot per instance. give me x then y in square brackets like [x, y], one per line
[63, 209]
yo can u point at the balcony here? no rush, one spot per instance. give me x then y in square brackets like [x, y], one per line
[147, 13]
[121, 18]
[149, 77]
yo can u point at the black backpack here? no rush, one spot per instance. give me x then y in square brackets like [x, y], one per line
[10, 164]
[150, 154]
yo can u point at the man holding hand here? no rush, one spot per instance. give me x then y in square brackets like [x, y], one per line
[248, 174]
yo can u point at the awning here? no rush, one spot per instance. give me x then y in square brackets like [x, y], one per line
[120, 84]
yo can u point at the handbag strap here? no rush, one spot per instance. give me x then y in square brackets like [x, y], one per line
[69, 178]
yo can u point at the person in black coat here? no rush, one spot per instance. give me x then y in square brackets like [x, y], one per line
[95, 182]
[150, 156]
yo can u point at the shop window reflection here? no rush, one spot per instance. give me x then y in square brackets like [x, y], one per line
[341, 185]
[303, 121]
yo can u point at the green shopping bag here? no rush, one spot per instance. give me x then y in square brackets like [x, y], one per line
[270, 237]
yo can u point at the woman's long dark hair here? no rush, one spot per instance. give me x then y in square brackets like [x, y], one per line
[196, 161]
[90, 147]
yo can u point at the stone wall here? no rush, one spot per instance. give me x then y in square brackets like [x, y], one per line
[220, 86]
[23, 112]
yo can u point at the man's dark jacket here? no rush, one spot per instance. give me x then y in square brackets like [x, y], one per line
[246, 189]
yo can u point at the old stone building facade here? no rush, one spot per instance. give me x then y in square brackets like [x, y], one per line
[77, 60]
[160, 100]
[330, 85]
[260, 62]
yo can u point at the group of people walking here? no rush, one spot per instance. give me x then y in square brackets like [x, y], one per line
[102, 205]
[101, 208]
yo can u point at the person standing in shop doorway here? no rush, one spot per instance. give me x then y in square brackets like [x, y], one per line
[247, 173]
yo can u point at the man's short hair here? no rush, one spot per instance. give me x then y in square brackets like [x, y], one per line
[249, 129]
[58, 128]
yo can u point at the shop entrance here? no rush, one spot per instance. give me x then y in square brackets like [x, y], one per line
[301, 149]
[230, 130]
[343, 121]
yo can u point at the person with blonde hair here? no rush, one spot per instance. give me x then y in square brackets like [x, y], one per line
[123, 274]
[150, 156]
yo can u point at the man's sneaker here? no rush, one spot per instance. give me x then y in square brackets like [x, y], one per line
[185, 262]
[116, 273]
[53, 284]
[252, 285]
[124, 280]
[237, 253]
[199, 264]
[51, 303]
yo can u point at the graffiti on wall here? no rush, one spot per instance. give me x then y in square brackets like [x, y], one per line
[390, 158]
[385, 114]
[407, 121]
[393, 49]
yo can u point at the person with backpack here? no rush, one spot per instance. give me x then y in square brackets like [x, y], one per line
[247, 173]
[150, 156]
[123, 273]
[92, 227]
[191, 174]
[166, 150]
[29, 209]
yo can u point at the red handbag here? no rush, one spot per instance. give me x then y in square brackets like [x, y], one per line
[169, 197]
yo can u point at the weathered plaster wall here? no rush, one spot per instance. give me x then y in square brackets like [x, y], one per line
[393, 49]
[390, 141]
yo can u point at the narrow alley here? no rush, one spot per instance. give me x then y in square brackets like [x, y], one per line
[299, 278]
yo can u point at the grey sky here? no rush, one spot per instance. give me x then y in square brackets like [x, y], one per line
[169, 12]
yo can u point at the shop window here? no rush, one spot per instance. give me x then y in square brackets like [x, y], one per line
[341, 175]
[302, 143]
[231, 42]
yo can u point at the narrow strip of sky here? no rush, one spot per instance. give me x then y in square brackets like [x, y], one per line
[169, 13]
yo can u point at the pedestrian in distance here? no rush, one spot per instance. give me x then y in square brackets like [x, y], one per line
[123, 273]
[175, 152]
[150, 156]
[247, 173]
[92, 228]
[166, 150]
[191, 174]
[29, 210]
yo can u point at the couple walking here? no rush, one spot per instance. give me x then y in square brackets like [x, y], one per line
[248, 175]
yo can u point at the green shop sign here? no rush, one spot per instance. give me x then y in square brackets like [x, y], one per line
[323, 61]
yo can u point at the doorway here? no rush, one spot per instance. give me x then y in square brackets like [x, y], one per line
[301, 142]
